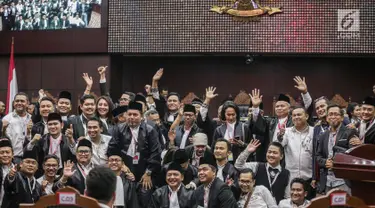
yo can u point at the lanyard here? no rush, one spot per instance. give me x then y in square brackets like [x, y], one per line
[34, 182]
[82, 171]
[372, 122]
[51, 151]
[84, 125]
[134, 140]
[269, 178]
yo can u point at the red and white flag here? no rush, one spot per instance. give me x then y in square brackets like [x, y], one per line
[12, 81]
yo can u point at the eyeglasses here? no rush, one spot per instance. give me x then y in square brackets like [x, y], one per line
[124, 99]
[81, 152]
[114, 160]
[245, 182]
[51, 165]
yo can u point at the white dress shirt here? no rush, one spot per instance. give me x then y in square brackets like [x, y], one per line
[17, 131]
[99, 151]
[287, 203]
[173, 200]
[132, 147]
[298, 147]
[119, 201]
[260, 198]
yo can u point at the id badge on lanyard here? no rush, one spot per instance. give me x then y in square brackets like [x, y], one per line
[136, 158]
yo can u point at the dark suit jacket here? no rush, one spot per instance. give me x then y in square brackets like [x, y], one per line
[208, 126]
[180, 133]
[77, 181]
[78, 129]
[17, 191]
[220, 196]
[130, 194]
[370, 136]
[342, 144]
[160, 198]
[230, 172]
[148, 147]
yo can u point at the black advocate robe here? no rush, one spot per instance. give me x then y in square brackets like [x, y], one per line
[77, 181]
[220, 196]
[130, 192]
[160, 198]
[18, 191]
[148, 147]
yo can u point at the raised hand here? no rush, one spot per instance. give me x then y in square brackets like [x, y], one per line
[102, 69]
[36, 138]
[253, 145]
[44, 184]
[87, 79]
[41, 93]
[256, 98]
[300, 84]
[13, 171]
[158, 75]
[355, 141]
[68, 169]
[172, 135]
[210, 93]
[69, 132]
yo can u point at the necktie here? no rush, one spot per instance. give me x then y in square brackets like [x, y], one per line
[272, 172]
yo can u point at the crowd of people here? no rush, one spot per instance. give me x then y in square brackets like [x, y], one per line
[153, 151]
[46, 14]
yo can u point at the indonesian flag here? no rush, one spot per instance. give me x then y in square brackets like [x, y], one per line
[12, 81]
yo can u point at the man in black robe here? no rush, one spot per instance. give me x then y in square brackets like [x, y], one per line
[45, 107]
[20, 186]
[173, 195]
[225, 170]
[139, 141]
[74, 175]
[213, 193]
[126, 195]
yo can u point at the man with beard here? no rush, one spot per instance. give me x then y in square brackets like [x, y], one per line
[225, 170]
[126, 195]
[173, 195]
[140, 142]
[273, 128]
[74, 175]
[50, 167]
[248, 195]
[367, 127]
[64, 105]
[184, 132]
[87, 105]
[298, 146]
[333, 141]
[20, 186]
[213, 193]
[199, 149]
[298, 194]
[6, 157]
[53, 143]
[17, 124]
[46, 106]
[270, 175]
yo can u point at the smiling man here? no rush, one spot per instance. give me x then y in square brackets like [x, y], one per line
[270, 175]
[46, 106]
[225, 170]
[367, 127]
[173, 195]
[99, 141]
[50, 167]
[14, 185]
[6, 157]
[298, 195]
[64, 105]
[16, 124]
[87, 106]
[298, 145]
[213, 193]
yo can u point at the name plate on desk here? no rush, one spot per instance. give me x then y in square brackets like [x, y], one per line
[66, 198]
[338, 199]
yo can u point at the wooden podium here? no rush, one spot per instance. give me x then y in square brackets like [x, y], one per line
[358, 165]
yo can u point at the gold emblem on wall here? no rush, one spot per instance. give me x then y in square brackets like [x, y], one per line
[245, 10]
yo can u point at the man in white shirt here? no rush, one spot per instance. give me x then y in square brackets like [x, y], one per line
[50, 167]
[99, 141]
[298, 195]
[101, 185]
[251, 195]
[17, 124]
[298, 145]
